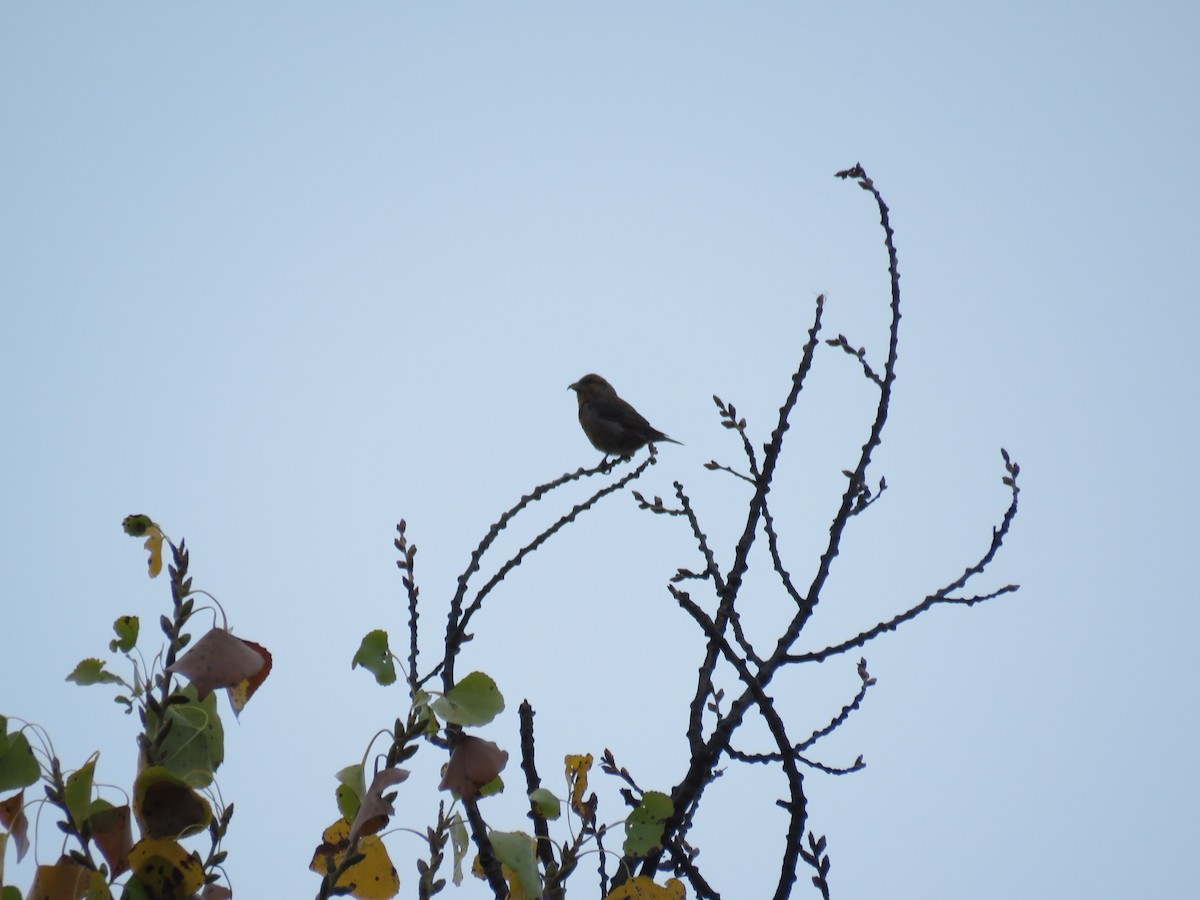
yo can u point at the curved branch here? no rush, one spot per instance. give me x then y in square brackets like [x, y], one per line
[776, 560]
[457, 617]
[460, 632]
[942, 595]
[875, 437]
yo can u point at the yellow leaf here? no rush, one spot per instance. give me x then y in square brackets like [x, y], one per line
[516, 890]
[98, 889]
[154, 542]
[643, 888]
[577, 772]
[143, 526]
[374, 878]
[165, 869]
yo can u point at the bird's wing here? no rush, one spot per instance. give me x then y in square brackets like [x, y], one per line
[617, 411]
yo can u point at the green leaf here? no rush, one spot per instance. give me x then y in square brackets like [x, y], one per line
[92, 671]
[422, 703]
[374, 656]
[78, 795]
[515, 850]
[194, 745]
[461, 842]
[143, 526]
[10, 893]
[644, 827]
[351, 790]
[137, 525]
[126, 628]
[475, 700]
[134, 891]
[348, 802]
[18, 765]
[547, 805]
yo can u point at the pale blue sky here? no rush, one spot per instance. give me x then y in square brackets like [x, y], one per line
[281, 274]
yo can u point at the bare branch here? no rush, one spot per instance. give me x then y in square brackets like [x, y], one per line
[798, 750]
[776, 560]
[456, 631]
[713, 466]
[875, 436]
[816, 857]
[729, 419]
[494, 532]
[859, 353]
[655, 506]
[944, 594]
[408, 553]
[533, 781]
[688, 795]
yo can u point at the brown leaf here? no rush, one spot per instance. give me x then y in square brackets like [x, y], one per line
[12, 817]
[113, 834]
[473, 763]
[218, 660]
[374, 810]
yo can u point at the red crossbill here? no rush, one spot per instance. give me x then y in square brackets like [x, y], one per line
[612, 425]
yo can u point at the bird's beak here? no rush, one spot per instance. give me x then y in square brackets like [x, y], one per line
[573, 387]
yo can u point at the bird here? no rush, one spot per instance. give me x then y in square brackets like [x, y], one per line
[611, 424]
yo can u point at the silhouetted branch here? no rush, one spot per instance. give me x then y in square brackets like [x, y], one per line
[727, 593]
[487, 855]
[408, 553]
[816, 857]
[942, 595]
[458, 618]
[545, 536]
[655, 506]
[541, 829]
[835, 723]
[687, 795]
[729, 419]
[685, 865]
[713, 571]
[875, 436]
[776, 560]
[891, 624]
[608, 765]
[867, 682]
[753, 672]
[859, 353]
[857, 766]
[714, 466]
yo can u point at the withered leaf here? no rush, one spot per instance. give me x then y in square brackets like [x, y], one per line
[218, 660]
[473, 763]
[374, 810]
